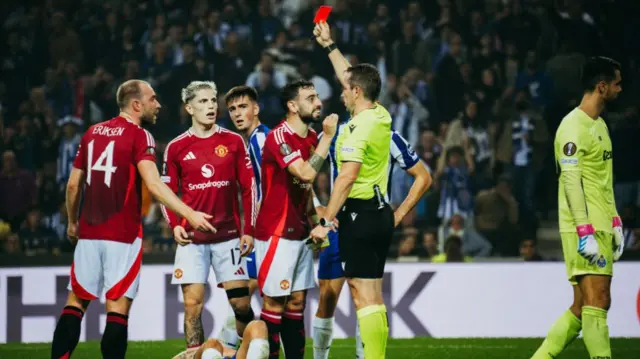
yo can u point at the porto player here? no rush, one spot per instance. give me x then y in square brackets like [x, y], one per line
[209, 165]
[113, 159]
[242, 103]
[254, 346]
[290, 163]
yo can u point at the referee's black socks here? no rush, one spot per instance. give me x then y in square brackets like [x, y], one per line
[114, 339]
[67, 333]
[293, 334]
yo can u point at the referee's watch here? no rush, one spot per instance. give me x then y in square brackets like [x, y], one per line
[326, 223]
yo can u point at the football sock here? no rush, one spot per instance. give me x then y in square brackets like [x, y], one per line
[293, 334]
[562, 333]
[274, 324]
[359, 345]
[67, 333]
[258, 349]
[228, 334]
[114, 339]
[595, 332]
[322, 336]
[374, 330]
[211, 353]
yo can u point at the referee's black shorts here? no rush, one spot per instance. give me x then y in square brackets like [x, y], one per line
[364, 235]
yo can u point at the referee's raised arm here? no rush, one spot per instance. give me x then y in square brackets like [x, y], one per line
[366, 221]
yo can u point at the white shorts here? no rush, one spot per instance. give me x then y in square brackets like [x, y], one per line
[110, 266]
[194, 260]
[284, 266]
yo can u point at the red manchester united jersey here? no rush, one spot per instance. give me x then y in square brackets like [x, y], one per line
[111, 205]
[284, 197]
[207, 172]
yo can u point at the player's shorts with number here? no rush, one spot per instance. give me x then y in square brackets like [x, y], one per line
[576, 265]
[193, 261]
[284, 266]
[109, 266]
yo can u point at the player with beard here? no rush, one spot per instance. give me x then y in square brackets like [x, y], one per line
[590, 228]
[242, 103]
[209, 165]
[113, 159]
[292, 157]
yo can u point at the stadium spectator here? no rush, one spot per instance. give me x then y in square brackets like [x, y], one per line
[452, 252]
[496, 215]
[529, 251]
[473, 244]
[17, 189]
[36, 238]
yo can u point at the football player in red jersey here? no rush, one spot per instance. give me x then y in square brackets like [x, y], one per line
[113, 159]
[209, 165]
[292, 157]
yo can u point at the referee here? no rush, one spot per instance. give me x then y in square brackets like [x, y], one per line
[366, 220]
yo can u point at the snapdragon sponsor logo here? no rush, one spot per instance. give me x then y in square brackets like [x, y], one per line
[209, 184]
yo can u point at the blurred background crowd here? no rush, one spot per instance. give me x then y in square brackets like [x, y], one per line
[477, 87]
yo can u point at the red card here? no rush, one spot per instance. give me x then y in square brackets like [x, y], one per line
[322, 14]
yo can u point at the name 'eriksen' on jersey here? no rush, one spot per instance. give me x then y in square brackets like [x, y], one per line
[108, 131]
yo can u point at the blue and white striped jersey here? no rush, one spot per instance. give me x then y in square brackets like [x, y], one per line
[401, 154]
[255, 145]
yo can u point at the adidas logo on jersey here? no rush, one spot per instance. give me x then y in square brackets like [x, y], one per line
[189, 156]
[240, 271]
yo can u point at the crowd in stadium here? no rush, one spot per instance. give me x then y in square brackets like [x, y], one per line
[476, 87]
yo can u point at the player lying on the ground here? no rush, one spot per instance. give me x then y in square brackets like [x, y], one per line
[254, 346]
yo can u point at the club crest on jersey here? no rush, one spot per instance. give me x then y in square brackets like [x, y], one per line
[569, 149]
[221, 150]
[601, 263]
[285, 149]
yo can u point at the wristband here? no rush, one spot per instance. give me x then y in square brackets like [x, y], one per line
[585, 229]
[325, 223]
[331, 47]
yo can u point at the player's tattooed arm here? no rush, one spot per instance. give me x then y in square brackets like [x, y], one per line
[316, 161]
[193, 331]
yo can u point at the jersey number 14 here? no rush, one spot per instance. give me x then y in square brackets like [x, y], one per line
[104, 163]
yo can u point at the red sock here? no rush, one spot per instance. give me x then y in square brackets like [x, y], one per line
[273, 321]
[293, 334]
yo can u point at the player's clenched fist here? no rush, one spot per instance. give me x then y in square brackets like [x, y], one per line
[330, 124]
[200, 222]
[181, 236]
[322, 32]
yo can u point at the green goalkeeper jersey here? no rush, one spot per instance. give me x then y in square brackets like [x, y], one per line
[583, 151]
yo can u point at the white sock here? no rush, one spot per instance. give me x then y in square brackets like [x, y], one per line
[229, 334]
[258, 349]
[322, 337]
[211, 354]
[359, 345]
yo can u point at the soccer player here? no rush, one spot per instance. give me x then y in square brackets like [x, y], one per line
[209, 165]
[291, 159]
[590, 227]
[242, 103]
[330, 272]
[113, 159]
[254, 346]
[366, 219]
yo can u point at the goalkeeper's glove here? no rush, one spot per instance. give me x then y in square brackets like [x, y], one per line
[618, 238]
[587, 244]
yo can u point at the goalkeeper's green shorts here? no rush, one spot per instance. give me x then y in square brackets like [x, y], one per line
[577, 265]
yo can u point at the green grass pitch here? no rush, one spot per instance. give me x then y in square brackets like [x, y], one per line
[342, 349]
